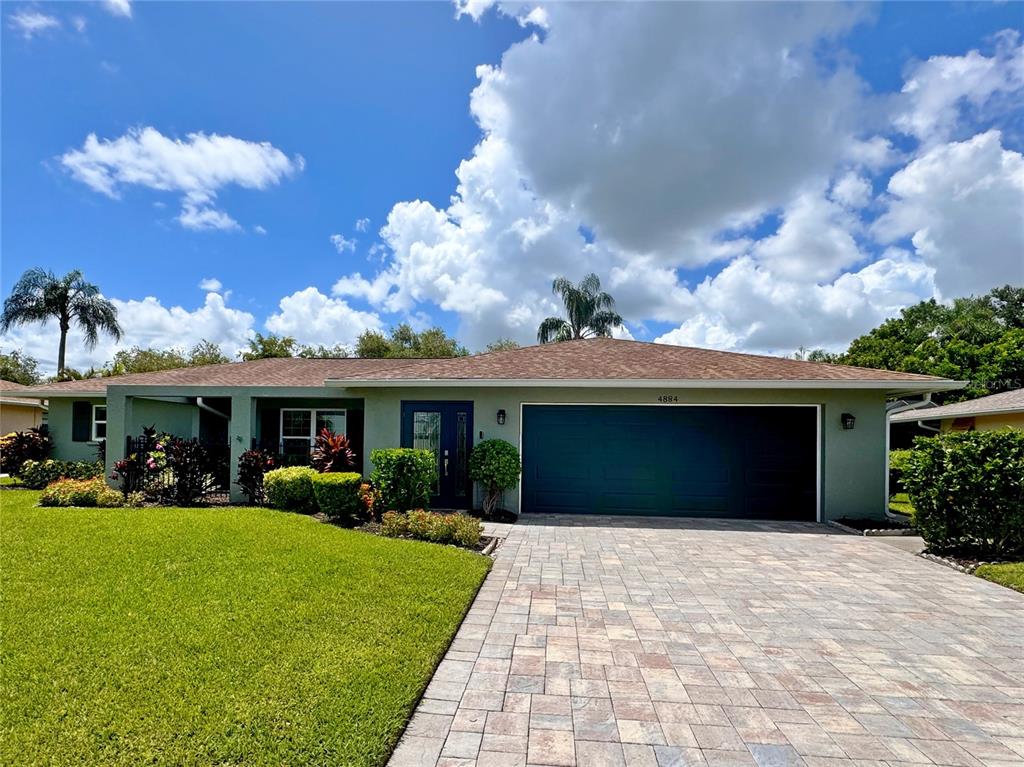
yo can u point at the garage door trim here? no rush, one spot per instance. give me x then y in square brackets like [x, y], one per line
[817, 428]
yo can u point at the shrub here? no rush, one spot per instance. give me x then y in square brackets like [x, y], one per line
[80, 492]
[371, 499]
[423, 525]
[191, 467]
[36, 475]
[290, 488]
[337, 495]
[252, 465]
[20, 446]
[898, 460]
[967, 489]
[404, 477]
[332, 452]
[495, 464]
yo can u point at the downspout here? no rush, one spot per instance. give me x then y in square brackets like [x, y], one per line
[203, 406]
[889, 413]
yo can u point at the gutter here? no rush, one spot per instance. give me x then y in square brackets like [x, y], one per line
[203, 406]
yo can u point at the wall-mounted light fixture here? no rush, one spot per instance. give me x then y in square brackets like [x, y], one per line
[848, 421]
[501, 417]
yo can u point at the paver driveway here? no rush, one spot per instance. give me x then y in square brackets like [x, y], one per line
[603, 641]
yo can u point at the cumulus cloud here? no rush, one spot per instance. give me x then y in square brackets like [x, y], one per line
[342, 244]
[210, 284]
[146, 323]
[961, 205]
[313, 318]
[121, 8]
[362, 224]
[30, 22]
[196, 167]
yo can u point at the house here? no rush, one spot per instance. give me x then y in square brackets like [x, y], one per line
[19, 413]
[604, 426]
[996, 411]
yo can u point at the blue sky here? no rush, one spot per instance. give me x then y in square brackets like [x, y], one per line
[366, 108]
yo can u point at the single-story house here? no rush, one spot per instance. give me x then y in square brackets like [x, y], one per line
[996, 411]
[18, 413]
[604, 426]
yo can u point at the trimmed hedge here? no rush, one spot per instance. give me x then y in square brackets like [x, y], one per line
[404, 477]
[968, 491]
[290, 488]
[457, 529]
[338, 496]
[35, 475]
[81, 492]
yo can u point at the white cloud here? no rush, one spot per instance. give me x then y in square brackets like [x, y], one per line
[31, 22]
[852, 190]
[936, 91]
[341, 244]
[211, 284]
[146, 323]
[313, 318]
[961, 205]
[78, 23]
[362, 224]
[259, 229]
[119, 7]
[197, 168]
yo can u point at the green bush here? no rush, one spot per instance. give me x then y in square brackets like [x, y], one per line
[458, 529]
[36, 475]
[404, 477]
[20, 446]
[898, 461]
[967, 489]
[337, 495]
[81, 492]
[495, 464]
[290, 488]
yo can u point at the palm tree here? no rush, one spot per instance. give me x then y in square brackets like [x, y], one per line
[589, 311]
[40, 295]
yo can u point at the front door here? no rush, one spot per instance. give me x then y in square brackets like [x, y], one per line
[446, 429]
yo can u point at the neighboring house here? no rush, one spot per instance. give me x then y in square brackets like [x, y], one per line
[996, 411]
[19, 413]
[604, 426]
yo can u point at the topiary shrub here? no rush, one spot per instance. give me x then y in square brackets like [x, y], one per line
[81, 492]
[457, 529]
[337, 495]
[36, 475]
[495, 464]
[404, 477]
[20, 446]
[290, 488]
[967, 489]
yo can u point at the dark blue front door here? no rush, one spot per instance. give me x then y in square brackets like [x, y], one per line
[446, 429]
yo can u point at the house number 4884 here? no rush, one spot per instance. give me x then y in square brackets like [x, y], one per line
[668, 398]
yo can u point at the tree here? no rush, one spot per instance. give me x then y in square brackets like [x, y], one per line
[19, 368]
[206, 353]
[979, 339]
[815, 355]
[321, 352]
[404, 342]
[40, 295]
[138, 360]
[262, 347]
[589, 311]
[502, 345]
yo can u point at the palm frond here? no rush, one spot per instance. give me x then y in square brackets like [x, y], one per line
[552, 329]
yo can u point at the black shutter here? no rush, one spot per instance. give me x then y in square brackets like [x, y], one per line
[81, 421]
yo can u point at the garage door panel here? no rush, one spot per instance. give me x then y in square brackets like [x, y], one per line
[693, 461]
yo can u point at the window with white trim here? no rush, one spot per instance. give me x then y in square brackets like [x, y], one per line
[99, 422]
[299, 427]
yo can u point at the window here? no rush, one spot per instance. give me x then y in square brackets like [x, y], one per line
[99, 422]
[299, 427]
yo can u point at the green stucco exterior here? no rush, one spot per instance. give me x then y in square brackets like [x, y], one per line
[852, 463]
[59, 425]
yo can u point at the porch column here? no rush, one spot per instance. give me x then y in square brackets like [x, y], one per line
[119, 424]
[243, 409]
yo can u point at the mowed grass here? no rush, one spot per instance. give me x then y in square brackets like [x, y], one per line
[214, 636]
[901, 502]
[1010, 575]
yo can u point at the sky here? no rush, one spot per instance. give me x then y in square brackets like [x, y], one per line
[750, 177]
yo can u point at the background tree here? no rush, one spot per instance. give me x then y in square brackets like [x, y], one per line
[39, 295]
[19, 368]
[321, 352]
[138, 360]
[404, 342]
[589, 311]
[206, 353]
[263, 347]
[502, 345]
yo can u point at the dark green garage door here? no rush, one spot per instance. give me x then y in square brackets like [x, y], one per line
[741, 462]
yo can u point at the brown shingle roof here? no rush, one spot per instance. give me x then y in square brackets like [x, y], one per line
[1004, 402]
[590, 359]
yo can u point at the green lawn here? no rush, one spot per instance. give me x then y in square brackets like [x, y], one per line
[214, 636]
[901, 502]
[1009, 575]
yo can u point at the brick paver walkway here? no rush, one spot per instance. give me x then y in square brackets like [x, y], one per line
[598, 641]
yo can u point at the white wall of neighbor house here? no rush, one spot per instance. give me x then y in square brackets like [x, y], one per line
[852, 461]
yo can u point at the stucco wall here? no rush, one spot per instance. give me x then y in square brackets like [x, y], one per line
[59, 424]
[19, 417]
[853, 462]
[177, 418]
[991, 422]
